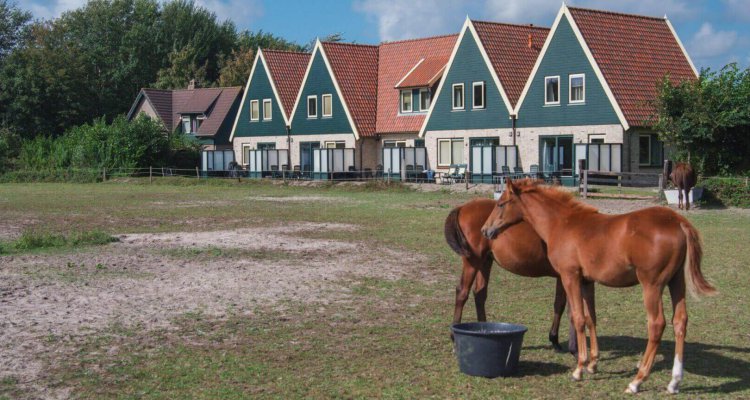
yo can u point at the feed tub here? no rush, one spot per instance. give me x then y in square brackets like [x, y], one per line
[488, 349]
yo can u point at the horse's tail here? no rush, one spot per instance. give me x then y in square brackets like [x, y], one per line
[455, 236]
[696, 282]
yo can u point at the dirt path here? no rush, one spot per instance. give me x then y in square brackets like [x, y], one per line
[147, 280]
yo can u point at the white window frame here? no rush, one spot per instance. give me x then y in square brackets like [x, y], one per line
[245, 154]
[422, 96]
[314, 97]
[474, 105]
[186, 118]
[270, 110]
[256, 104]
[650, 138]
[549, 103]
[335, 143]
[451, 140]
[323, 101]
[570, 88]
[411, 101]
[453, 96]
[395, 143]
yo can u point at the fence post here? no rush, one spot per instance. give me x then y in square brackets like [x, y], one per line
[661, 182]
[197, 174]
[466, 178]
[150, 174]
[104, 174]
[388, 178]
[162, 171]
[586, 184]
[665, 175]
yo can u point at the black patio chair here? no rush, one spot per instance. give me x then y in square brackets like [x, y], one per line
[409, 172]
[296, 172]
[534, 171]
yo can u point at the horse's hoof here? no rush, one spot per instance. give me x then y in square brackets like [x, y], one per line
[554, 339]
[673, 388]
[576, 375]
[591, 369]
[632, 388]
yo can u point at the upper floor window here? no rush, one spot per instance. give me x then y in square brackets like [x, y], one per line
[266, 109]
[254, 110]
[190, 123]
[458, 96]
[312, 106]
[424, 99]
[478, 95]
[327, 105]
[406, 101]
[551, 90]
[577, 88]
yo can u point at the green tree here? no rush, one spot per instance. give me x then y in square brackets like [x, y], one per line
[708, 120]
[13, 23]
[184, 67]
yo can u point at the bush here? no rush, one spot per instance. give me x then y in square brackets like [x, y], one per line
[10, 144]
[34, 240]
[729, 192]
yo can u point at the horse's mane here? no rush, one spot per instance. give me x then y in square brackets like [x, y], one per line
[561, 196]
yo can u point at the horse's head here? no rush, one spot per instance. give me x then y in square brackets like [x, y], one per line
[506, 213]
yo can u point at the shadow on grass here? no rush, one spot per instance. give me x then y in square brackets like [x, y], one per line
[536, 368]
[703, 359]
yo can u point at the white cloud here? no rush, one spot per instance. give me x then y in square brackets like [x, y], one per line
[738, 9]
[242, 12]
[709, 43]
[398, 19]
[52, 9]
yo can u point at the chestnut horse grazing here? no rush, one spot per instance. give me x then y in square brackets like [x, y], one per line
[655, 247]
[683, 176]
[518, 250]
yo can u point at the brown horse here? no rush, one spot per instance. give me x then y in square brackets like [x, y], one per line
[518, 250]
[655, 247]
[683, 176]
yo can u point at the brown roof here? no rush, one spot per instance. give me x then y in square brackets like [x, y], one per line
[634, 53]
[287, 69]
[396, 60]
[507, 46]
[355, 67]
[214, 103]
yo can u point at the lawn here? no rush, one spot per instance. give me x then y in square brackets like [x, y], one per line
[388, 338]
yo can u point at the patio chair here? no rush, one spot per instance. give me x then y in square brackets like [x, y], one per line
[296, 172]
[419, 173]
[285, 171]
[517, 172]
[275, 171]
[379, 171]
[460, 174]
[534, 171]
[409, 172]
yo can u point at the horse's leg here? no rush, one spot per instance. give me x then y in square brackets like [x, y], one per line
[652, 301]
[572, 284]
[480, 289]
[679, 197]
[679, 320]
[559, 308]
[687, 198]
[462, 290]
[587, 291]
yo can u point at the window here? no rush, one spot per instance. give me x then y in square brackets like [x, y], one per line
[650, 150]
[267, 146]
[424, 99]
[406, 105]
[552, 90]
[394, 143]
[254, 110]
[186, 124]
[577, 88]
[327, 105]
[335, 145]
[266, 109]
[458, 96]
[478, 95]
[312, 106]
[596, 138]
[245, 154]
[190, 124]
[450, 151]
[418, 142]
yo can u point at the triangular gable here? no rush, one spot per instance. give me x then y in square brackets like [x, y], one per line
[565, 13]
[468, 27]
[285, 71]
[321, 51]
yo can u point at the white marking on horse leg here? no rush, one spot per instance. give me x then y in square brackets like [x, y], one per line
[674, 385]
[577, 374]
[633, 387]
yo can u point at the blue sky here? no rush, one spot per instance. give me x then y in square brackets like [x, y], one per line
[714, 32]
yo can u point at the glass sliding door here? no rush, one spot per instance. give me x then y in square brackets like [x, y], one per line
[557, 156]
[306, 157]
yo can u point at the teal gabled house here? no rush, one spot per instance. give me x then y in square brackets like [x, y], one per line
[471, 120]
[589, 94]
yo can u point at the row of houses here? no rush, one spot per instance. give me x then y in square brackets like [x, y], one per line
[494, 95]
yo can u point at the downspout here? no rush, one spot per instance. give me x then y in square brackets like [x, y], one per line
[289, 145]
[513, 124]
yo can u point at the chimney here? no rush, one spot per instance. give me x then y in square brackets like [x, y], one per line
[531, 38]
[530, 41]
[191, 85]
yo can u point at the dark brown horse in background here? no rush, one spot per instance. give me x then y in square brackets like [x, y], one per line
[518, 250]
[683, 176]
[655, 247]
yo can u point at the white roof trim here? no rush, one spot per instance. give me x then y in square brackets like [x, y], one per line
[244, 95]
[445, 75]
[409, 73]
[677, 38]
[319, 47]
[564, 11]
[273, 87]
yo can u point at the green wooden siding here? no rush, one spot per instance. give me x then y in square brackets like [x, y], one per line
[318, 83]
[565, 57]
[468, 67]
[225, 130]
[260, 88]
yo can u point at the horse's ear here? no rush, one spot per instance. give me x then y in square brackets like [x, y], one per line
[509, 186]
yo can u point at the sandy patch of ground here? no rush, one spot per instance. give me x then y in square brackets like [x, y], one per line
[147, 280]
[294, 198]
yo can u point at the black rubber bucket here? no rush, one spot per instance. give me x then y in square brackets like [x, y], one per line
[488, 349]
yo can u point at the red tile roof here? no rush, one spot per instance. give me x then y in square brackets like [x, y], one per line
[634, 53]
[425, 74]
[219, 111]
[287, 69]
[507, 46]
[199, 101]
[396, 60]
[161, 101]
[355, 67]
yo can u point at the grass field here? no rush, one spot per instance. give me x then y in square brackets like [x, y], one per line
[387, 337]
